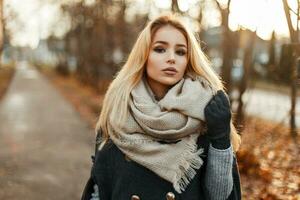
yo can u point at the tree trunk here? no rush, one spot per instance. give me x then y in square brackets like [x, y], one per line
[175, 7]
[1, 28]
[293, 33]
[294, 37]
[247, 65]
[228, 56]
[295, 65]
[271, 66]
[229, 46]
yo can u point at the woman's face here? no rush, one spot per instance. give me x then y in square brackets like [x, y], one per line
[167, 60]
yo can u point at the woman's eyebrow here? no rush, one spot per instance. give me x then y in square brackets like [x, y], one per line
[166, 43]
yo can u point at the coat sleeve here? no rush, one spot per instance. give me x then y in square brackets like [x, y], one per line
[218, 178]
[102, 170]
[95, 192]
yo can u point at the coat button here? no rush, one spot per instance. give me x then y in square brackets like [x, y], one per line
[170, 196]
[135, 197]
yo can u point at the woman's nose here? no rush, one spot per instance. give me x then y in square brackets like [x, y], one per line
[171, 58]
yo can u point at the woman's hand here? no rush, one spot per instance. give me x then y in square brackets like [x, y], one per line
[218, 116]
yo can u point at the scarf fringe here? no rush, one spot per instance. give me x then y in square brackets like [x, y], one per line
[188, 166]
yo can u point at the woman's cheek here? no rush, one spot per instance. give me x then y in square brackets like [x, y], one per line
[183, 65]
[153, 60]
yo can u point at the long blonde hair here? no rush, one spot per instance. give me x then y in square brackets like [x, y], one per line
[116, 100]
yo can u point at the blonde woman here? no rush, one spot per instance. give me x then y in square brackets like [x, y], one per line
[165, 126]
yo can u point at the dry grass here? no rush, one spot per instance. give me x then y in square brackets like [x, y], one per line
[86, 100]
[6, 74]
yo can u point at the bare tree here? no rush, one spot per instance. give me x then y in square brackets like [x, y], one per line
[293, 33]
[1, 27]
[271, 66]
[295, 49]
[175, 7]
[247, 68]
[100, 38]
[229, 45]
[200, 19]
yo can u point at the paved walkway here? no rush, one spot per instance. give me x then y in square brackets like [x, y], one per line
[45, 145]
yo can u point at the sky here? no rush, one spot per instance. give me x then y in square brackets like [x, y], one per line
[40, 18]
[261, 15]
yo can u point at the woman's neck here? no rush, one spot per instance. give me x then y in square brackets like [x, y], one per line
[159, 90]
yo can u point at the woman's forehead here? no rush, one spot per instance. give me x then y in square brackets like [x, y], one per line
[169, 35]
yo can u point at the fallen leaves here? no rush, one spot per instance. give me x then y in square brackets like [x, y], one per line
[269, 161]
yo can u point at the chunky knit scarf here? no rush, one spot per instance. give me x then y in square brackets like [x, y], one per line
[162, 135]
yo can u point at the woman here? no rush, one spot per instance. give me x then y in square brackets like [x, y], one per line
[165, 124]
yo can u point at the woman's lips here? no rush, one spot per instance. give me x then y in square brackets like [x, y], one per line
[170, 71]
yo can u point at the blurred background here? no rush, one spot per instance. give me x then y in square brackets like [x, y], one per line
[59, 56]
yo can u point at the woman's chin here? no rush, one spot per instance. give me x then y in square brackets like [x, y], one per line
[169, 81]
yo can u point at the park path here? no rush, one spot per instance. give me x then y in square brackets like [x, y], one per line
[45, 145]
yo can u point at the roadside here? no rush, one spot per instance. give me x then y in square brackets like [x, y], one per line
[6, 75]
[86, 100]
[276, 87]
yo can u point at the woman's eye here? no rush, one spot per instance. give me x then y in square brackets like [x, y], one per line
[181, 52]
[159, 50]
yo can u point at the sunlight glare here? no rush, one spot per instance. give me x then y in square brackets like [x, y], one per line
[264, 16]
[163, 4]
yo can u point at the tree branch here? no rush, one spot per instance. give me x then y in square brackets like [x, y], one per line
[293, 11]
[293, 35]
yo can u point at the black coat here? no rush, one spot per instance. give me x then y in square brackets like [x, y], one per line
[118, 178]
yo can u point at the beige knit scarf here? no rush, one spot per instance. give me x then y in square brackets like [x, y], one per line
[177, 120]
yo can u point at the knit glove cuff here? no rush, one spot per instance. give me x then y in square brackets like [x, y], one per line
[220, 141]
